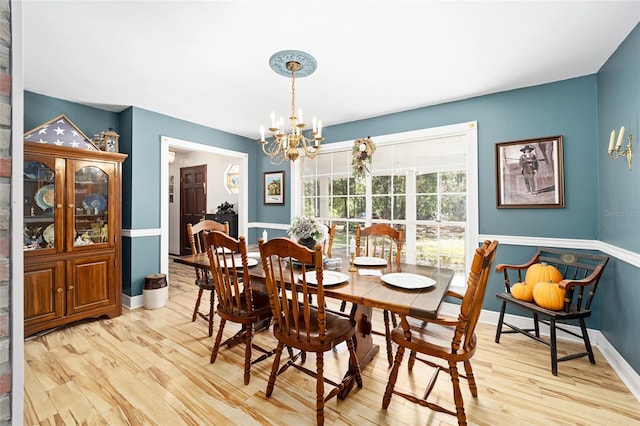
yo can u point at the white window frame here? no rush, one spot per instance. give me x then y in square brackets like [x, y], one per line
[468, 131]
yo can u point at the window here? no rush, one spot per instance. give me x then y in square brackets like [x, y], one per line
[232, 177]
[424, 181]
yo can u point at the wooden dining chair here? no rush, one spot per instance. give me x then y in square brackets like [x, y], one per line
[328, 242]
[237, 301]
[197, 233]
[381, 240]
[300, 325]
[446, 341]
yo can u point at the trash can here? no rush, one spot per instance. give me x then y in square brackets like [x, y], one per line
[155, 291]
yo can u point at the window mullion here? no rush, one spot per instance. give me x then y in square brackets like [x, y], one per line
[410, 228]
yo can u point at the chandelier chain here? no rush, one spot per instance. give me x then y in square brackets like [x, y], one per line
[293, 94]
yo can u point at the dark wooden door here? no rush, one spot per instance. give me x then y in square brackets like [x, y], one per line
[193, 201]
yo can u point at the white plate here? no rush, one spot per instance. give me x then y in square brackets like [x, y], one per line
[408, 281]
[250, 262]
[369, 261]
[254, 255]
[45, 197]
[328, 278]
[49, 234]
[223, 250]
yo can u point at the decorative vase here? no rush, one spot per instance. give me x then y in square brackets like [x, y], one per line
[308, 242]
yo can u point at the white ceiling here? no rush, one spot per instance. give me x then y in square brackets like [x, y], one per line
[207, 61]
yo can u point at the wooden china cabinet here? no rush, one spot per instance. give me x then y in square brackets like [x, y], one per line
[72, 235]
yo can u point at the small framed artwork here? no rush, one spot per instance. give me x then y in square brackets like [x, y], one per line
[274, 187]
[530, 173]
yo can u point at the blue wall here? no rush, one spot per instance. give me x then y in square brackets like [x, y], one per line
[619, 105]
[619, 196]
[143, 187]
[565, 108]
[583, 110]
[39, 109]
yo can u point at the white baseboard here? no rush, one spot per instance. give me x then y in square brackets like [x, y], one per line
[627, 374]
[132, 302]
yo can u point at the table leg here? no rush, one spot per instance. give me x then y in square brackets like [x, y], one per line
[365, 349]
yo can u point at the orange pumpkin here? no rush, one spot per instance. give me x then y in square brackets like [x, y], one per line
[542, 272]
[549, 295]
[522, 291]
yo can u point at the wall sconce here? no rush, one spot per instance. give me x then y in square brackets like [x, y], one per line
[172, 157]
[615, 152]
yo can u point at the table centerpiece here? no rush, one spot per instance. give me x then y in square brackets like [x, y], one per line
[307, 231]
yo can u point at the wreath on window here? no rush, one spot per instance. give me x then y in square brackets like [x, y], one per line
[362, 153]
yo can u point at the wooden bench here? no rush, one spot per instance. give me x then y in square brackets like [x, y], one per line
[581, 274]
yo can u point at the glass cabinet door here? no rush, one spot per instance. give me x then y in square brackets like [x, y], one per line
[42, 205]
[91, 211]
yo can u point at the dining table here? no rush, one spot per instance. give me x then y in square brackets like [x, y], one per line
[409, 290]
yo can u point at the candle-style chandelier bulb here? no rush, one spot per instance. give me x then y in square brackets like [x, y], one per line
[616, 151]
[287, 145]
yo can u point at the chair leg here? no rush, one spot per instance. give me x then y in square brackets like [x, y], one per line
[320, 388]
[387, 335]
[457, 394]
[247, 354]
[195, 310]
[354, 366]
[274, 370]
[212, 301]
[587, 342]
[471, 380]
[412, 360]
[500, 321]
[554, 347]
[216, 345]
[386, 399]
[343, 306]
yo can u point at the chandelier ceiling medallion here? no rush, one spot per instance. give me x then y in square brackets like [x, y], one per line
[288, 146]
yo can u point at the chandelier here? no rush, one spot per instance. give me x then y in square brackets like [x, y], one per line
[288, 146]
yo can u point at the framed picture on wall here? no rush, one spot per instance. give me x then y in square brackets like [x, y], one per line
[530, 173]
[274, 187]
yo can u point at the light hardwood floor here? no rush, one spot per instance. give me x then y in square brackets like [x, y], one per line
[152, 367]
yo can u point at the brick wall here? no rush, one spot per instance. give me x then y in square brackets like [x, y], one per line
[5, 206]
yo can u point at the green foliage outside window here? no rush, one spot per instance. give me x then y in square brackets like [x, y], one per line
[440, 205]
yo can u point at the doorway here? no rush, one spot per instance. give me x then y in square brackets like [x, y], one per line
[193, 201]
[183, 147]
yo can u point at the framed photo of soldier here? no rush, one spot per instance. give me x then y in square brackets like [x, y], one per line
[530, 173]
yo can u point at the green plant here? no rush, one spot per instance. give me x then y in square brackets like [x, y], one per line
[362, 153]
[307, 227]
